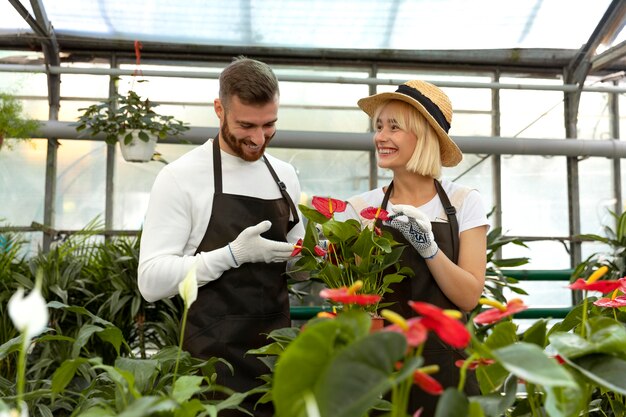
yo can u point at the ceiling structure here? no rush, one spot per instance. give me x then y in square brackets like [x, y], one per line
[544, 35]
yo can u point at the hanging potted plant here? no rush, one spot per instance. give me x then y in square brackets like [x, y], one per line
[131, 121]
[13, 123]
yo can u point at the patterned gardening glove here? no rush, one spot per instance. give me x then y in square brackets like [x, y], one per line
[416, 229]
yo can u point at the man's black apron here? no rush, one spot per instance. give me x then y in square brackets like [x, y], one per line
[234, 313]
[423, 287]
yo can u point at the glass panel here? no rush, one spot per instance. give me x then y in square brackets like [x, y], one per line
[596, 194]
[22, 184]
[534, 196]
[593, 116]
[80, 183]
[543, 254]
[531, 113]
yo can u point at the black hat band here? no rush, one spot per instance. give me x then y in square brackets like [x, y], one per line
[430, 107]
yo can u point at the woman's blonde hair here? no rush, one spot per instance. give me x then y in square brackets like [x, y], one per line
[426, 158]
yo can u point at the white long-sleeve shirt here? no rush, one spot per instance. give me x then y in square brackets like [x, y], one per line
[179, 210]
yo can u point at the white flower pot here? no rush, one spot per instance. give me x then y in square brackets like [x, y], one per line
[138, 150]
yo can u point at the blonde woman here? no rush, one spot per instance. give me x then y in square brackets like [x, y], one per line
[443, 224]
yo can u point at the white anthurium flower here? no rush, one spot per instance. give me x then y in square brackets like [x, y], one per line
[29, 314]
[188, 287]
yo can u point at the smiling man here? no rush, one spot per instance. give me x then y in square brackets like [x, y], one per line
[228, 207]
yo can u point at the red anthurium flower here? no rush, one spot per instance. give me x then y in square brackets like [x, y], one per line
[415, 333]
[297, 248]
[374, 213]
[496, 314]
[344, 295]
[559, 359]
[327, 314]
[475, 363]
[319, 251]
[450, 330]
[616, 302]
[379, 233]
[427, 383]
[604, 286]
[327, 206]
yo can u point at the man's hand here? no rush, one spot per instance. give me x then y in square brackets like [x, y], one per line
[249, 246]
[416, 229]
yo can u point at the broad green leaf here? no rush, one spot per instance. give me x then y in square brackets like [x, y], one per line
[360, 373]
[529, 362]
[186, 386]
[452, 403]
[10, 346]
[564, 401]
[85, 332]
[65, 373]
[143, 370]
[113, 335]
[536, 334]
[495, 404]
[606, 371]
[610, 339]
[503, 334]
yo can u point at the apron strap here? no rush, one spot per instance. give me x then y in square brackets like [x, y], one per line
[450, 212]
[454, 224]
[283, 191]
[217, 165]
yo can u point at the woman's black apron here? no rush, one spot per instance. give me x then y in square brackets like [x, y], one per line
[423, 287]
[234, 313]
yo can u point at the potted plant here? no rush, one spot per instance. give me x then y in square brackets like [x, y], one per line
[349, 250]
[131, 121]
[13, 124]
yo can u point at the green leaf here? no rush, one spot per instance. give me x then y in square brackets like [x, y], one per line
[529, 362]
[564, 401]
[605, 370]
[113, 335]
[495, 404]
[186, 386]
[452, 403]
[536, 333]
[610, 339]
[85, 332]
[65, 373]
[143, 370]
[10, 346]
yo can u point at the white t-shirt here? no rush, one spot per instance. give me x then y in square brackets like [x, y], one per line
[470, 211]
[179, 210]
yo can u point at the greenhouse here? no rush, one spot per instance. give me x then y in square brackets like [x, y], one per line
[449, 171]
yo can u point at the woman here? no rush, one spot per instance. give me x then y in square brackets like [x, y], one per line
[443, 224]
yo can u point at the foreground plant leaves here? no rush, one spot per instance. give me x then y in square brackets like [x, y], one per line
[605, 370]
[318, 361]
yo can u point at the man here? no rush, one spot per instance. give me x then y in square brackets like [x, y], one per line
[228, 207]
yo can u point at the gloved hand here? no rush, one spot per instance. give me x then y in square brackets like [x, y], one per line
[249, 246]
[416, 229]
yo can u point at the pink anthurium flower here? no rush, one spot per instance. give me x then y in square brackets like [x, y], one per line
[328, 206]
[616, 302]
[450, 330]
[500, 311]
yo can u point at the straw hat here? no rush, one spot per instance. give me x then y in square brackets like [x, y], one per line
[432, 103]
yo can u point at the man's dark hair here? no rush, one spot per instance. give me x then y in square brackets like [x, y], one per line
[252, 81]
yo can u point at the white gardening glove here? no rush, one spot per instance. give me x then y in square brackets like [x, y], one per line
[249, 246]
[416, 229]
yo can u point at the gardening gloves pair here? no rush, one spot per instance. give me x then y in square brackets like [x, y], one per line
[415, 227]
[249, 246]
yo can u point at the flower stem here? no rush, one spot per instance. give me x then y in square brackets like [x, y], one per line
[463, 371]
[180, 344]
[583, 323]
[21, 371]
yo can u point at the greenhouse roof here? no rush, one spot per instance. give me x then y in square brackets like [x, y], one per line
[323, 26]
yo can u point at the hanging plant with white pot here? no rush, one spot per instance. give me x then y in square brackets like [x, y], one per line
[132, 122]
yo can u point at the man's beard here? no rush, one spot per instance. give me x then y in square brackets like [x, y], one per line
[239, 146]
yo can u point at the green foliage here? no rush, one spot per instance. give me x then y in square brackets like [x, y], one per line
[355, 252]
[118, 115]
[13, 123]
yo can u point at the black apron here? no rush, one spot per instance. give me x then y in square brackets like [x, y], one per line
[423, 287]
[234, 313]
